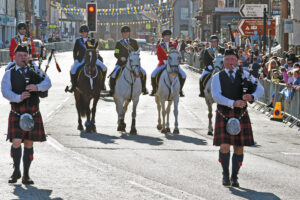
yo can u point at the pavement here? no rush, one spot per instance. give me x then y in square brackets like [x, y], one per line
[151, 165]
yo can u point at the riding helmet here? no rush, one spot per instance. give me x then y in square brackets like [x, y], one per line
[166, 32]
[125, 29]
[84, 28]
[21, 25]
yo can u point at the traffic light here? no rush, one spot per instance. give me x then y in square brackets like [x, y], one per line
[92, 16]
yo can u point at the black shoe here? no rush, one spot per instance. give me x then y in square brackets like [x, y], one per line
[14, 177]
[226, 180]
[153, 83]
[181, 94]
[270, 105]
[111, 93]
[153, 93]
[27, 180]
[201, 95]
[234, 181]
[145, 91]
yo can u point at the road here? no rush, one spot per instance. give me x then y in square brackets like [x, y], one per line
[151, 165]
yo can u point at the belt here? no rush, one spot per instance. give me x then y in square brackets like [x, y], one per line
[19, 114]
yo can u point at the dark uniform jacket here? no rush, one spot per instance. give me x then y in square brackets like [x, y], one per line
[123, 49]
[219, 49]
[79, 49]
[18, 84]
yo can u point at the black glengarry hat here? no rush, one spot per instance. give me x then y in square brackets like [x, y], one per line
[230, 52]
[21, 48]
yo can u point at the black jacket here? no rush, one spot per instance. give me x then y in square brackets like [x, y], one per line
[79, 50]
[123, 50]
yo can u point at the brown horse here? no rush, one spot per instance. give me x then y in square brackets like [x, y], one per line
[89, 84]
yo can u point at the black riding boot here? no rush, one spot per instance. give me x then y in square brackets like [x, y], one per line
[153, 83]
[182, 80]
[112, 84]
[73, 81]
[144, 88]
[201, 89]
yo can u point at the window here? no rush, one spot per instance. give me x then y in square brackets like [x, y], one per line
[232, 3]
[184, 13]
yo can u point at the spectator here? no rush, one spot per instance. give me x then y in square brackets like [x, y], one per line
[7, 44]
[271, 66]
[254, 68]
[289, 65]
[182, 47]
[290, 77]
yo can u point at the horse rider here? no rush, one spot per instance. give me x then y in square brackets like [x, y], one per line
[21, 38]
[122, 51]
[228, 92]
[213, 50]
[20, 85]
[162, 54]
[78, 55]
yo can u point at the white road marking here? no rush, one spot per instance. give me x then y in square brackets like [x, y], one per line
[151, 190]
[55, 144]
[291, 153]
[161, 193]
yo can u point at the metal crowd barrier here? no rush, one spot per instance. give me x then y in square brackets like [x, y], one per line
[290, 109]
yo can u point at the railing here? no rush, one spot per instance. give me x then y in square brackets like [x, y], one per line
[290, 108]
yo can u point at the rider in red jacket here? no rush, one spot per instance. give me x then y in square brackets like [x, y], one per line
[162, 54]
[21, 37]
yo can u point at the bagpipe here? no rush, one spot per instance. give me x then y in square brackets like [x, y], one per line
[248, 86]
[39, 71]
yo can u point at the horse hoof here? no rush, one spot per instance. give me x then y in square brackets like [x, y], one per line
[210, 133]
[168, 130]
[176, 131]
[164, 131]
[159, 127]
[133, 131]
[121, 128]
[80, 127]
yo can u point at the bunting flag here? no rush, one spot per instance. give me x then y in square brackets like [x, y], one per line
[150, 8]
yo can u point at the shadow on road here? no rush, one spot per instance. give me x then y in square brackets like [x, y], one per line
[252, 194]
[143, 139]
[105, 139]
[31, 192]
[187, 139]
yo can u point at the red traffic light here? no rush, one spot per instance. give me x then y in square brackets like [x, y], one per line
[91, 8]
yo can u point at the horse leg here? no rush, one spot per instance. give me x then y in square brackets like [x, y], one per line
[168, 116]
[88, 116]
[176, 101]
[133, 130]
[164, 130]
[121, 124]
[77, 99]
[210, 115]
[159, 126]
[93, 122]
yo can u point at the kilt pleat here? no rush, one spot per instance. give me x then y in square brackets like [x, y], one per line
[14, 130]
[244, 138]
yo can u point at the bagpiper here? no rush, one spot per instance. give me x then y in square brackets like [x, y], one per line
[213, 50]
[20, 85]
[78, 55]
[162, 54]
[232, 124]
[122, 51]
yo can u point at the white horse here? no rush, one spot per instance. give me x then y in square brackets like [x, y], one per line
[218, 63]
[168, 90]
[128, 87]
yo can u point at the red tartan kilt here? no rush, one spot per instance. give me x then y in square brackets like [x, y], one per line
[14, 130]
[245, 138]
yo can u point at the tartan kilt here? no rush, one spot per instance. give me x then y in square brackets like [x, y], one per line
[244, 138]
[14, 130]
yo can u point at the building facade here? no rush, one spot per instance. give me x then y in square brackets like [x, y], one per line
[7, 21]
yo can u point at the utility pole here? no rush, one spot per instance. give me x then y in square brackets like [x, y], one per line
[265, 30]
[284, 15]
[61, 22]
[117, 25]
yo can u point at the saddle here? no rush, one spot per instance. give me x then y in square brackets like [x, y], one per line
[157, 77]
[206, 78]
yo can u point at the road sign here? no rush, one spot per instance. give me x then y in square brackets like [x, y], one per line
[252, 10]
[251, 27]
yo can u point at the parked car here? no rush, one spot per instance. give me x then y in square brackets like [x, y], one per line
[38, 44]
[142, 43]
